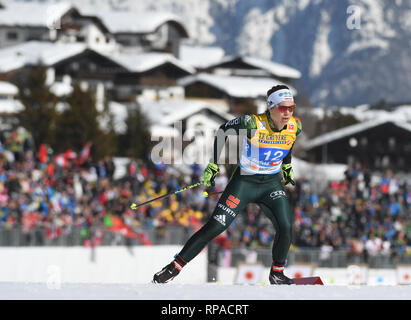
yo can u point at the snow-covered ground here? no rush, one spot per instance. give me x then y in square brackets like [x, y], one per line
[210, 291]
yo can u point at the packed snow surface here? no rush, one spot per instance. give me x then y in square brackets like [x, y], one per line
[210, 291]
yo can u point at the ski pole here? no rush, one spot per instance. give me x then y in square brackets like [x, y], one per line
[134, 206]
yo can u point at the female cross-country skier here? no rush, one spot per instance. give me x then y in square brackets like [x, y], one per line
[264, 161]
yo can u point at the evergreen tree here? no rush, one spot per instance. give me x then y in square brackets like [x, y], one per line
[136, 142]
[108, 140]
[39, 114]
[78, 124]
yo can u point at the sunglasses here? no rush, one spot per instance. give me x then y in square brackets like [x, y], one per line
[285, 108]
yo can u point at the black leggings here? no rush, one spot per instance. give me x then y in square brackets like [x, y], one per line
[266, 191]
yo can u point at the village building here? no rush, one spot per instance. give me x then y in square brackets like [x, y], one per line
[377, 144]
[189, 124]
[122, 76]
[134, 58]
[200, 57]
[148, 31]
[235, 94]
[63, 62]
[21, 22]
[143, 31]
[235, 84]
[246, 66]
[121, 55]
[148, 72]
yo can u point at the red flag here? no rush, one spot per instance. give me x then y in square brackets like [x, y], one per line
[61, 160]
[127, 232]
[43, 153]
[70, 154]
[85, 153]
[118, 226]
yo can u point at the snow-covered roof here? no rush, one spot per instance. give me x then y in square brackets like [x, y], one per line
[135, 22]
[271, 67]
[33, 14]
[7, 88]
[50, 53]
[163, 114]
[276, 69]
[167, 112]
[351, 130]
[10, 106]
[142, 62]
[35, 52]
[404, 125]
[200, 57]
[366, 112]
[239, 87]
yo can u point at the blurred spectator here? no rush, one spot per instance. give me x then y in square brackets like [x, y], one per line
[264, 237]
[325, 253]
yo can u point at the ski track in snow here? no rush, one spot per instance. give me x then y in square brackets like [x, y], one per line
[209, 291]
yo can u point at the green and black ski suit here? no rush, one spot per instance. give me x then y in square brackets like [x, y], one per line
[256, 179]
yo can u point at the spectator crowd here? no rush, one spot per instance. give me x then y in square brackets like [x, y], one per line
[363, 213]
[367, 214]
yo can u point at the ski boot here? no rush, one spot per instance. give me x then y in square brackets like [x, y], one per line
[278, 277]
[170, 271]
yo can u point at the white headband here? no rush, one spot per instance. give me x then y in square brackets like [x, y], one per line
[278, 97]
